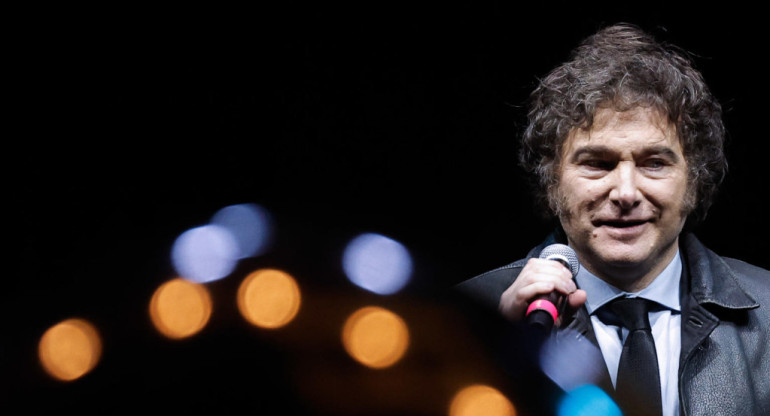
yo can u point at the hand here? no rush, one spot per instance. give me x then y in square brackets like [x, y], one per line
[539, 277]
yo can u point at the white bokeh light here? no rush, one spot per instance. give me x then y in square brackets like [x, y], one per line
[571, 360]
[204, 254]
[377, 263]
[249, 224]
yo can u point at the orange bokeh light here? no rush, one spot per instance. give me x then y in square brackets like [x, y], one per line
[481, 400]
[70, 349]
[375, 337]
[180, 308]
[269, 298]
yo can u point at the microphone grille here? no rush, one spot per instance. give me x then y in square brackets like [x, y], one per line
[563, 254]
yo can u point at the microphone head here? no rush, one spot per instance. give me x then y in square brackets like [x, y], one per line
[563, 254]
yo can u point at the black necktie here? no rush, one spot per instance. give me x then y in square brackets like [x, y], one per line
[638, 382]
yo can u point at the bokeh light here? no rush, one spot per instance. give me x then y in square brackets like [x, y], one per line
[269, 298]
[375, 337]
[377, 263]
[571, 360]
[70, 349]
[481, 400]
[204, 254]
[180, 308]
[250, 226]
[588, 400]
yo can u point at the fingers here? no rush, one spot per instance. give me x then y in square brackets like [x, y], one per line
[547, 271]
[577, 298]
[538, 277]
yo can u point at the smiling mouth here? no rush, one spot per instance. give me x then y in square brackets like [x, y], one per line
[621, 224]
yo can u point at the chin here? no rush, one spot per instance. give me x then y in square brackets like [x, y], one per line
[623, 262]
[623, 256]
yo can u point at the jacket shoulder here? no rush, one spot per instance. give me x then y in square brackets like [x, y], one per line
[753, 279]
[746, 269]
[487, 288]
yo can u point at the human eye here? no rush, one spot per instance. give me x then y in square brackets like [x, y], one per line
[594, 162]
[658, 160]
[655, 164]
[597, 164]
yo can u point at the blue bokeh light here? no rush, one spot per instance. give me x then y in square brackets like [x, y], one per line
[204, 254]
[249, 224]
[588, 400]
[377, 263]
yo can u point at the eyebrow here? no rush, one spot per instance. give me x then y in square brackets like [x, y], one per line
[599, 150]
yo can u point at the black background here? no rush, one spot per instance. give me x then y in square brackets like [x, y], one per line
[128, 126]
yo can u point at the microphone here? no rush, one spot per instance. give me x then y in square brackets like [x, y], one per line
[542, 312]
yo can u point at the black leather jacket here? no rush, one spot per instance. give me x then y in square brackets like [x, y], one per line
[724, 366]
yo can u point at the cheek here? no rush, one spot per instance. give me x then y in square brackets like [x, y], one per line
[672, 196]
[578, 197]
[587, 192]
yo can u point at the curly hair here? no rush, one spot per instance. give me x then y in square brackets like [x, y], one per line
[621, 67]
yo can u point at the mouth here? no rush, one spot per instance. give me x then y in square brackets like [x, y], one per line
[620, 223]
[623, 229]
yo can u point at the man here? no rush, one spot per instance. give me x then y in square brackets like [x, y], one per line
[625, 142]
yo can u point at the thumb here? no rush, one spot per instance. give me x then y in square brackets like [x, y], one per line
[577, 298]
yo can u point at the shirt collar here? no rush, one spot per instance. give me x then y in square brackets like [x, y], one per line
[663, 290]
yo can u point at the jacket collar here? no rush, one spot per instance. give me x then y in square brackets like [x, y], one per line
[712, 280]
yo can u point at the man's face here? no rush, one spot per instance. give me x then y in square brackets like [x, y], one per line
[622, 193]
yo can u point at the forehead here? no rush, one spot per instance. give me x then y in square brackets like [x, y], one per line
[631, 130]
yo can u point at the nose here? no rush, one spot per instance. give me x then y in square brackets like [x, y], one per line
[625, 191]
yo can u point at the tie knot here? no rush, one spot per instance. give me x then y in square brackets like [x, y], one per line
[632, 312]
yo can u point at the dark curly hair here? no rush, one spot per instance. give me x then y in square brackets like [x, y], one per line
[621, 67]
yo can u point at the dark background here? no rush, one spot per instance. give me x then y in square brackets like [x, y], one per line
[131, 125]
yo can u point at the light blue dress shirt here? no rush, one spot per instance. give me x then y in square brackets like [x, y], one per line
[665, 323]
